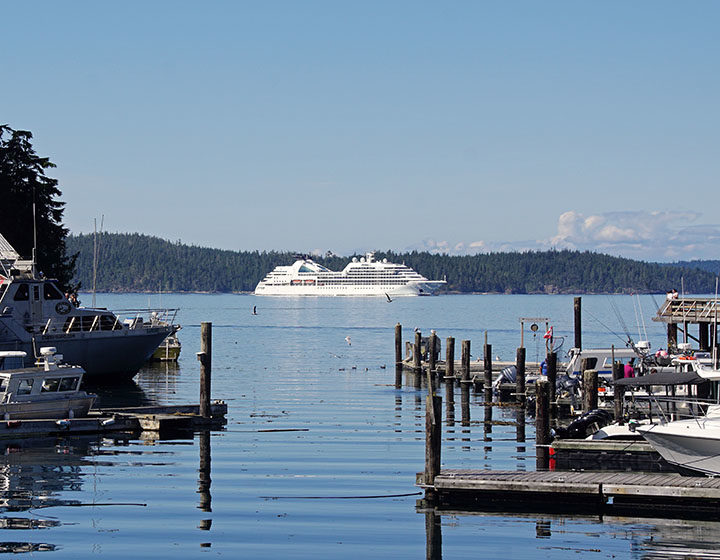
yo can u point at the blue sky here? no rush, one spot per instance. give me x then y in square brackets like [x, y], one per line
[350, 126]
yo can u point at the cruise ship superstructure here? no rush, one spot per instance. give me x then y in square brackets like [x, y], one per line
[361, 277]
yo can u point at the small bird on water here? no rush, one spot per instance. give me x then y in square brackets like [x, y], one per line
[347, 339]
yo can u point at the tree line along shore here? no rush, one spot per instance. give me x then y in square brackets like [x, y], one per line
[136, 262]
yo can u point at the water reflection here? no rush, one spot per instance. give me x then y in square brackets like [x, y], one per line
[655, 538]
[204, 478]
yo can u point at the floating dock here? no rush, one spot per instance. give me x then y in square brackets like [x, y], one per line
[610, 492]
[158, 419]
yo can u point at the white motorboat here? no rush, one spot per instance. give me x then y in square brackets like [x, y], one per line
[47, 390]
[35, 313]
[361, 277]
[692, 444]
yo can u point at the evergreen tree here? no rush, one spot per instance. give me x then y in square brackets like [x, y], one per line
[23, 183]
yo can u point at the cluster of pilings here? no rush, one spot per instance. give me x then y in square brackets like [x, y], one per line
[546, 404]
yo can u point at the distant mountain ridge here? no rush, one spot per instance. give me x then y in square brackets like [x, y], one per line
[138, 262]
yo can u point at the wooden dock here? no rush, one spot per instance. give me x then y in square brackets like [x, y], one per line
[161, 420]
[551, 491]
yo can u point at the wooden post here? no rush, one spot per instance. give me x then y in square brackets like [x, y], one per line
[542, 424]
[432, 366]
[590, 390]
[450, 358]
[417, 362]
[465, 361]
[398, 356]
[433, 440]
[520, 428]
[672, 330]
[578, 322]
[552, 381]
[465, 383]
[205, 358]
[450, 376]
[520, 376]
[704, 336]
[487, 373]
[619, 390]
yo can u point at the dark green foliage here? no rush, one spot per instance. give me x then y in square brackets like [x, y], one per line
[708, 266]
[22, 178]
[134, 262]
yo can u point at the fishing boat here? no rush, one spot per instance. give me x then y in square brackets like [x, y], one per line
[49, 389]
[34, 313]
[363, 276]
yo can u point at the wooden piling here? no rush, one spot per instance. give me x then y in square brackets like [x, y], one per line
[449, 358]
[520, 376]
[590, 390]
[398, 356]
[672, 330]
[433, 440]
[619, 393]
[465, 361]
[205, 358]
[704, 336]
[417, 361]
[577, 307]
[487, 373]
[450, 372]
[551, 362]
[465, 383]
[432, 366]
[542, 424]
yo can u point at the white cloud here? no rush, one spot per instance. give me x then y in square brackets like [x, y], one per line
[649, 235]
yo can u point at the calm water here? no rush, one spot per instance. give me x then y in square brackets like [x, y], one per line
[319, 455]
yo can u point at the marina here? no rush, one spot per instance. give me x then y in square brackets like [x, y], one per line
[310, 466]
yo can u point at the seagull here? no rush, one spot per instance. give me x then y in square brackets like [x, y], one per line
[347, 339]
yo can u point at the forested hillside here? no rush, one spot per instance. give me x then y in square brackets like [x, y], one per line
[135, 262]
[708, 266]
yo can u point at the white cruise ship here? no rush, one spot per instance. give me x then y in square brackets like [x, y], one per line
[361, 277]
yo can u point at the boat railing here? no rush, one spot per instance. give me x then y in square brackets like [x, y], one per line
[667, 408]
[104, 320]
[135, 318]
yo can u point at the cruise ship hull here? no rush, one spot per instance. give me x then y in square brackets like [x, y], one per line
[424, 289]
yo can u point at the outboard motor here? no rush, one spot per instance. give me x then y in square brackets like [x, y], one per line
[589, 423]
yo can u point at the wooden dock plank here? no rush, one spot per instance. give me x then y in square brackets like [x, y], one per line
[608, 484]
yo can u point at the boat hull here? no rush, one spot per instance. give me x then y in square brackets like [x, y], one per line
[690, 444]
[104, 355]
[74, 406]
